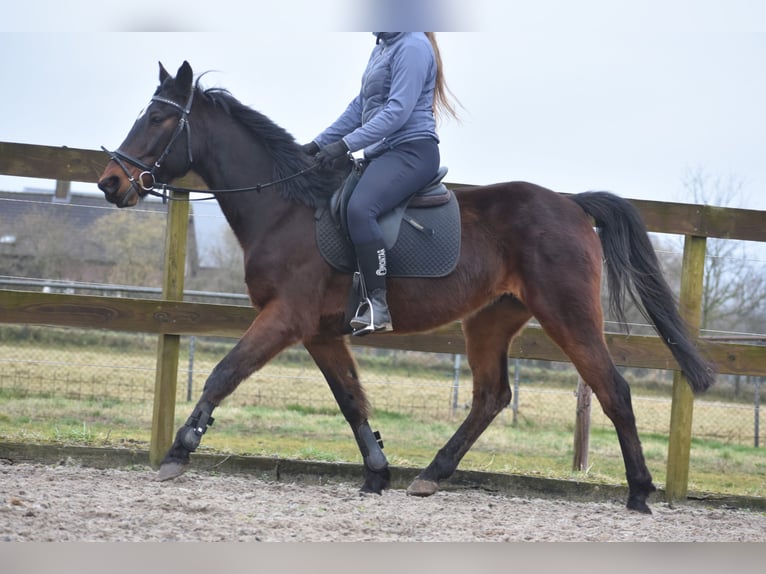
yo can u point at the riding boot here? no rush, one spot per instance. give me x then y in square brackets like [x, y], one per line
[372, 315]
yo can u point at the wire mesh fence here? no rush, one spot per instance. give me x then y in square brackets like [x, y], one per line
[109, 366]
[93, 365]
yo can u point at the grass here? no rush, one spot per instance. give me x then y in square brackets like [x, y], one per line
[298, 432]
[53, 389]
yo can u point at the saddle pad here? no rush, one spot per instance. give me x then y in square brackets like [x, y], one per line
[415, 254]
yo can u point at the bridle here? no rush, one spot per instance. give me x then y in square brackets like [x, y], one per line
[148, 173]
[120, 157]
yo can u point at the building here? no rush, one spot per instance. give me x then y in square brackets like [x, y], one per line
[51, 234]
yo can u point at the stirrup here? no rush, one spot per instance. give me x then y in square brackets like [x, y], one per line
[366, 330]
[361, 328]
[356, 322]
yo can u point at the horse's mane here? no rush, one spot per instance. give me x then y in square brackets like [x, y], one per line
[312, 188]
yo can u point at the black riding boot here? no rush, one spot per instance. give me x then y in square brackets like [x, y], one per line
[372, 315]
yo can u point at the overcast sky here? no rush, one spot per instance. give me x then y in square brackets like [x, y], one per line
[626, 96]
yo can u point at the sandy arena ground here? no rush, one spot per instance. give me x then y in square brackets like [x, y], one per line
[72, 503]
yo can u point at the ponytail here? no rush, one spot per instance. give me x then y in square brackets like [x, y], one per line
[443, 96]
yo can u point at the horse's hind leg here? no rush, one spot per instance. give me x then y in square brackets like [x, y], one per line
[577, 329]
[488, 334]
[597, 369]
[332, 356]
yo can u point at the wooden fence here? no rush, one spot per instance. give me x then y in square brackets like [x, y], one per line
[171, 317]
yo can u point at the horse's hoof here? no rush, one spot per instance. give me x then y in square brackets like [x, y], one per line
[364, 491]
[420, 487]
[639, 506]
[372, 487]
[171, 470]
[376, 482]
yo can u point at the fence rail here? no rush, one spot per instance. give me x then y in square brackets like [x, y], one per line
[164, 317]
[171, 317]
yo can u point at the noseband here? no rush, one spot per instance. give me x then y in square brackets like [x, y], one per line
[120, 157]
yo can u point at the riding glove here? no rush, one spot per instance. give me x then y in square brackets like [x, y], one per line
[328, 155]
[311, 148]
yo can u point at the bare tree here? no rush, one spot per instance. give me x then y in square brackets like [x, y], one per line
[734, 287]
[734, 291]
[45, 237]
[133, 242]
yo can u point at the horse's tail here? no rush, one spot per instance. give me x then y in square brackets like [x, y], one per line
[633, 268]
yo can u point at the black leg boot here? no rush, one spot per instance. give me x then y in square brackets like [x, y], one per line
[372, 315]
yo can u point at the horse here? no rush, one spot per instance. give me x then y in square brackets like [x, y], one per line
[525, 251]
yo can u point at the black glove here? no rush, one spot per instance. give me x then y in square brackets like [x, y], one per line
[329, 154]
[310, 149]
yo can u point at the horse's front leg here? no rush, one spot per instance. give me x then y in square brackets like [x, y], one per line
[334, 359]
[269, 334]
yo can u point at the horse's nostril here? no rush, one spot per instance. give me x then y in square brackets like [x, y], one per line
[109, 185]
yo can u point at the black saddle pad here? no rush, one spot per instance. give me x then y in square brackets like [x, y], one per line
[428, 244]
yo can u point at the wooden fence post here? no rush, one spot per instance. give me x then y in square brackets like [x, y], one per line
[582, 426]
[682, 407]
[166, 378]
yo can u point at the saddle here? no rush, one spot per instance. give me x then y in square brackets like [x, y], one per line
[428, 245]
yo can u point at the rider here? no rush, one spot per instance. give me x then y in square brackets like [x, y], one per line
[393, 119]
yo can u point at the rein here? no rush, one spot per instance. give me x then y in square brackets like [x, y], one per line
[120, 157]
[164, 187]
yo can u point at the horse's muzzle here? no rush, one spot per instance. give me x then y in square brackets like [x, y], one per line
[111, 186]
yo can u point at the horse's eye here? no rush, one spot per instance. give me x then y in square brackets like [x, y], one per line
[155, 119]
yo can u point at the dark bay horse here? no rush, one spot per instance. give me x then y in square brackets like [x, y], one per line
[526, 252]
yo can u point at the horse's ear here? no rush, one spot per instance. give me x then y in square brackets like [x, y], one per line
[184, 77]
[164, 75]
